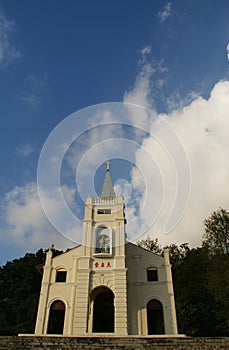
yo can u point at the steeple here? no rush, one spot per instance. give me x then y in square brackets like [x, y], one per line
[107, 188]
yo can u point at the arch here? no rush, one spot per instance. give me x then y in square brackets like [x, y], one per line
[103, 281]
[56, 317]
[60, 267]
[103, 240]
[155, 317]
[102, 299]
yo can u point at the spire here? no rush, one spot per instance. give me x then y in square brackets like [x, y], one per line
[107, 188]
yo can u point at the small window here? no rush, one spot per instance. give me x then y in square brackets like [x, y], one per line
[61, 276]
[152, 275]
[104, 211]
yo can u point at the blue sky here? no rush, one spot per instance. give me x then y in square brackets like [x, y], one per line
[57, 57]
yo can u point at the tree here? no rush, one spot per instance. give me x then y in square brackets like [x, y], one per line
[218, 284]
[176, 253]
[19, 293]
[216, 237]
[216, 241]
[150, 244]
[195, 304]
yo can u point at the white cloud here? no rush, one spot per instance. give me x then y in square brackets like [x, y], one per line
[228, 52]
[140, 92]
[146, 50]
[166, 12]
[8, 53]
[30, 99]
[175, 101]
[37, 82]
[203, 128]
[149, 83]
[25, 224]
[35, 85]
[25, 150]
[84, 145]
[123, 187]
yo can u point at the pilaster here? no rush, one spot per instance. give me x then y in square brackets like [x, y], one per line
[73, 294]
[82, 297]
[42, 307]
[170, 311]
[120, 288]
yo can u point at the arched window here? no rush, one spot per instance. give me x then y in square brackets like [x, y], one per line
[56, 317]
[103, 240]
[155, 317]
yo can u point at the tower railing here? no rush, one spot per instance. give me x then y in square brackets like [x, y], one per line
[105, 200]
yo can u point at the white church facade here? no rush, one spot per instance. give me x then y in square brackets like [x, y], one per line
[107, 285]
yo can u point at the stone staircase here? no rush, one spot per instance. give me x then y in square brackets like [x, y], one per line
[107, 343]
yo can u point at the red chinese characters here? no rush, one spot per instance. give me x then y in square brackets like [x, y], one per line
[102, 264]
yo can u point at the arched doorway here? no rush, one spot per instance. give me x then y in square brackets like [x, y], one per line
[56, 317]
[155, 317]
[103, 310]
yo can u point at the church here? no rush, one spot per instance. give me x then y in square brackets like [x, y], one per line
[106, 285]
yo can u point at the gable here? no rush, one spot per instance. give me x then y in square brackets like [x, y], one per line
[65, 259]
[133, 249]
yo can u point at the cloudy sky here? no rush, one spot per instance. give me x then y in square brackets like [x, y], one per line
[169, 157]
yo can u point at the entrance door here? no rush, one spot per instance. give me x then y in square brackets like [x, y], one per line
[103, 311]
[155, 317]
[56, 318]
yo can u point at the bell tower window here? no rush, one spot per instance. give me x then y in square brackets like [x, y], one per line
[104, 211]
[103, 240]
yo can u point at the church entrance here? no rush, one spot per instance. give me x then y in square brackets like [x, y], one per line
[155, 317]
[56, 318]
[103, 310]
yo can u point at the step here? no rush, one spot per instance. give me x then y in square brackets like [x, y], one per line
[111, 342]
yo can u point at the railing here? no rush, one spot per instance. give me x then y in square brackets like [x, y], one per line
[105, 200]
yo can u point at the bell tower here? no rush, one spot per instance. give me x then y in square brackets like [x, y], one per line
[103, 261]
[104, 222]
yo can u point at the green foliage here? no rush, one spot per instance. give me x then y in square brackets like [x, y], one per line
[177, 255]
[216, 242]
[150, 244]
[202, 294]
[216, 236]
[194, 301]
[218, 283]
[201, 279]
[19, 293]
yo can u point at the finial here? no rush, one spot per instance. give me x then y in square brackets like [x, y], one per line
[108, 165]
[52, 247]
